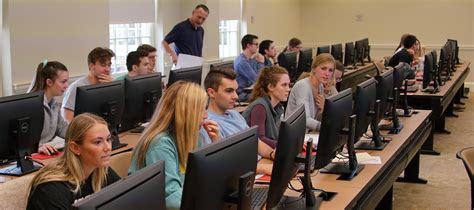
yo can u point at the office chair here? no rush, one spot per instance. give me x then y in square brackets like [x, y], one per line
[121, 161]
[467, 157]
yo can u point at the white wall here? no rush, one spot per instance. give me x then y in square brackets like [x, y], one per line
[55, 30]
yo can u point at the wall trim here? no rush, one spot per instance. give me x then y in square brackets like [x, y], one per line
[392, 46]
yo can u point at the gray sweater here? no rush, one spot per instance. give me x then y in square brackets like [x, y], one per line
[54, 124]
[302, 93]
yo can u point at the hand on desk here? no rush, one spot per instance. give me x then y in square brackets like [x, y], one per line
[264, 168]
[48, 150]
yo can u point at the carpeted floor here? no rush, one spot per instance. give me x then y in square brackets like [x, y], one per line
[448, 184]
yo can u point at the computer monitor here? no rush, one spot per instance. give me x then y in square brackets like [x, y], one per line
[305, 60]
[192, 74]
[336, 51]
[436, 67]
[144, 189]
[334, 135]
[367, 110]
[323, 49]
[21, 120]
[288, 61]
[349, 55]
[443, 67]
[456, 47]
[384, 91]
[429, 74]
[222, 172]
[359, 51]
[366, 49]
[400, 73]
[142, 94]
[221, 64]
[451, 55]
[106, 100]
[290, 143]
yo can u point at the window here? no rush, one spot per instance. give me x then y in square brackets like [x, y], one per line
[125, 38]
[228, 38]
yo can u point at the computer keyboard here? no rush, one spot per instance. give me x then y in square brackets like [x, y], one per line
[259, 198]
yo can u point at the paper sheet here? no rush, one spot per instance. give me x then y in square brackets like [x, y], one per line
[315, 138]
[185, 61]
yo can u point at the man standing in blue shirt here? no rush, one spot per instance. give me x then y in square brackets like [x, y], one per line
[247, 65]
[188, 35]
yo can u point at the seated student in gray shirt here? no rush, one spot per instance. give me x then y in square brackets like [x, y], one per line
[311, 91]
[99, 61]
[52, 78]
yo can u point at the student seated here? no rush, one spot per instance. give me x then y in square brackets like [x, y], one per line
[137, 64]
[311, 91]
[294, 45]
[99, 61]
[82, 170]
[247, 65]
[269, 52]
[52, 78]
[221, 86]
[405, 54]
[172, 133]
[151, 54]
[265, 110]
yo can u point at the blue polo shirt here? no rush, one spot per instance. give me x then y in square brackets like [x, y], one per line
[186, 38]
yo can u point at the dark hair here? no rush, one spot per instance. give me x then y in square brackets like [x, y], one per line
[146, 48]
[133, 58]
[268, 75]
[202, 6]
[294, 42]
[409, 41]
[401, 41]
[100, 54]
[247, 39]
[46, 71]
[264, 45]
[214, 77]
[339, 66]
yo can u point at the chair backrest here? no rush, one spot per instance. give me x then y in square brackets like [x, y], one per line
[120, 162]
[467, 157]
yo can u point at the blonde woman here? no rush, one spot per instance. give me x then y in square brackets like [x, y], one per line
[313, 90]
[172, 133]
[82, 170]
[52, 78]
[265, 110]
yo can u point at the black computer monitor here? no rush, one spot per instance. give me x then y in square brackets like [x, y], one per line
[21, 122]
[429, 74]
[443, 67]
[367, 110]
[334, 133]
[142, 94]
[400, 73]
[229, 64]
[106, 100]
[451, 55]
[286, 163]
[305, 60]
[222, 172]
[192, 74]
[349, 55]
[456, 48]
[336, 51]
[366, 49]
[384, 90]
[323, 49]
[288, 61]
[144, 189]
[359, 51]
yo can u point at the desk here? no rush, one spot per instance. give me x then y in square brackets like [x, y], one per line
[352, 78]
[373, 186]
[440, 103]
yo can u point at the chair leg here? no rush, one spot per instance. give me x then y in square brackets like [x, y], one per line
[472, 195]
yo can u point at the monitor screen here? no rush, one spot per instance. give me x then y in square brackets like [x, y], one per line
[323, 49]
[456, 49]
[334, 134]
[287, 60]
[142, 94]
[428, 70]
[213, 171]
[21, 120]
[105, 100]
[336, 51]
[142, 190]
[227, 64]
[192, 74]
[349, 54]
[365, 109]
[366, 49]
[384, 90]
[305, 60]
[289, 144]
[359, 51]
